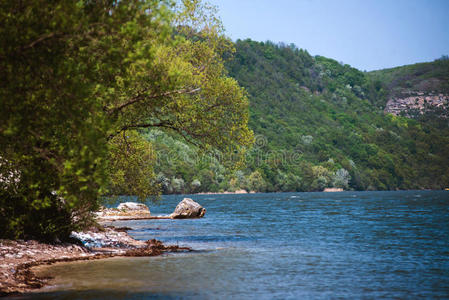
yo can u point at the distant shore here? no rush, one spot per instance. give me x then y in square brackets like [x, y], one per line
[226, 192]
[19, 257]
[254, 192]
[326, 190]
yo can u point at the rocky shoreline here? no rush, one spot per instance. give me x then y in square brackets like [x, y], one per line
[18, 257]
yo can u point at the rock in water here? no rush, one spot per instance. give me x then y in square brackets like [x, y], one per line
[188, 208]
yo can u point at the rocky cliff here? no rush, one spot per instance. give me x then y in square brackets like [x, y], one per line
[417, 102]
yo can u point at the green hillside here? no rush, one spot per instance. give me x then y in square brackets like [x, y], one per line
[318, 124]
[426, 77]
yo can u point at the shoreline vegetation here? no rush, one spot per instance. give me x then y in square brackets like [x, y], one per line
[325, 190]
[254, 192]
[72, 131]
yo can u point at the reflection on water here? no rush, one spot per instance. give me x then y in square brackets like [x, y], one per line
[292, 245]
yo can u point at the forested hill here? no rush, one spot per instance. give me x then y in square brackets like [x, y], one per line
[318, 123]
[330, 114]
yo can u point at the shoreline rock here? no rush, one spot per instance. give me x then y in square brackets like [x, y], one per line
[185, 209]
[188, 209]
[17, 258]
[332, 190]
[125, 211]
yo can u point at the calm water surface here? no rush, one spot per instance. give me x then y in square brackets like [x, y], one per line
[280, 246]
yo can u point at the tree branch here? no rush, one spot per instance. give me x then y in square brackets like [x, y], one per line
[43, 38]
[209, 108]
[163, 124]
[142, 125]
[141, 97]
[60, 34]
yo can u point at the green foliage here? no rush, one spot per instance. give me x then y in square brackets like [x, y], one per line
[425, 77]
[78, 78]
[134, 97]
[320, 112]
[327, 115]
[256, 182]
[50, 134]
[131, 166]
[184, 168]
[313, 139]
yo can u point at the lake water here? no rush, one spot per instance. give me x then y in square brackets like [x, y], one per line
[280, 246]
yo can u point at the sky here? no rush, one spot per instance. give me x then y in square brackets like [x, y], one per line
[367, 34]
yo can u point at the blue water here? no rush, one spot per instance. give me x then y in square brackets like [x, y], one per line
[281, 246]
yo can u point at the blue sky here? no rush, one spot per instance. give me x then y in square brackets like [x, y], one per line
[367, 34]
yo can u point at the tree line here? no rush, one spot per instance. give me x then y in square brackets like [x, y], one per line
[318, 123]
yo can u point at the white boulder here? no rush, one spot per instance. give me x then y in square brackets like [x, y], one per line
[188, 208]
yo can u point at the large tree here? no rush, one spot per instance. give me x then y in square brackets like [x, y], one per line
[77, 79]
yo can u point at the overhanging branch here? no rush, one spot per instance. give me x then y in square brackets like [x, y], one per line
[43, 38]
[141, 96]
[142, 125]
[164, 124]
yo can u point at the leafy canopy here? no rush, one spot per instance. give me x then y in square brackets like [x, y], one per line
[77, 79]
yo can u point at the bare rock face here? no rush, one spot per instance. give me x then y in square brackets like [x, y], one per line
[419, 101]
[188, 208]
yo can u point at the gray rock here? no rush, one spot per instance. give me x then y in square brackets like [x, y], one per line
[188, 208]
[130, 206]
[125, 211]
